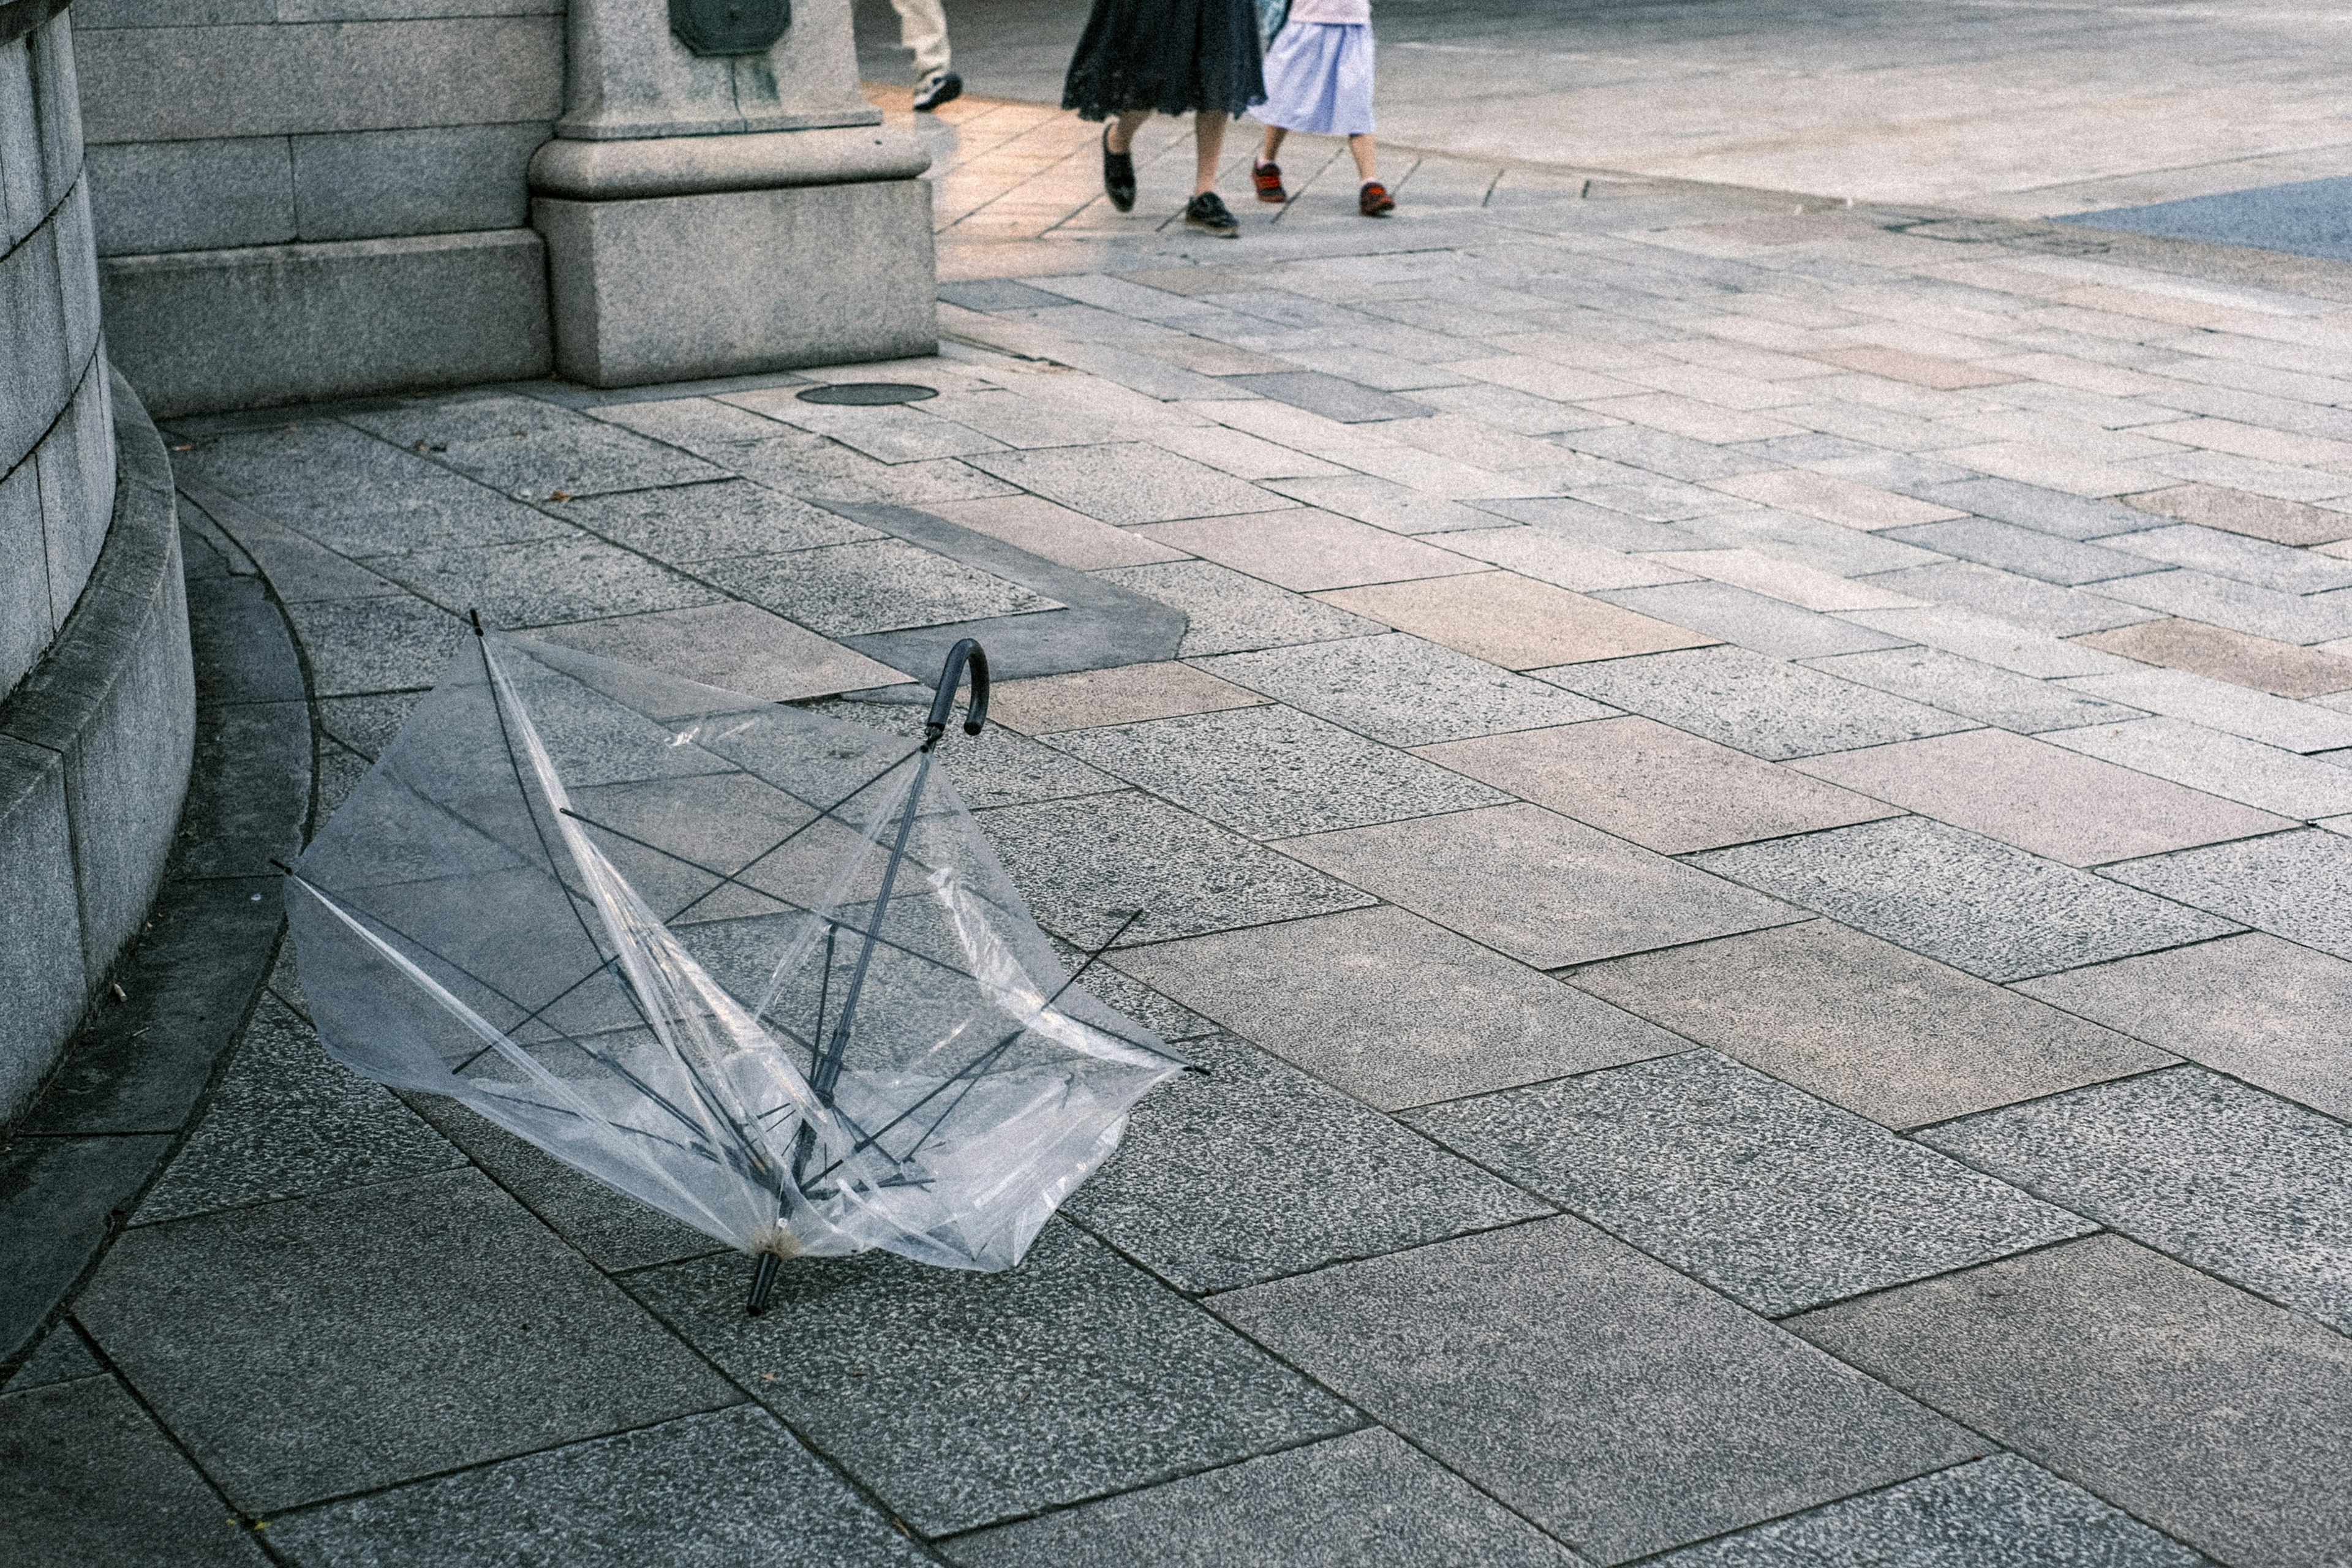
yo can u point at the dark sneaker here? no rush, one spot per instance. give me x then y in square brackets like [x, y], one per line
[1119, 175]
[937, 88]
[1268, 178]
[1207, 211]
[1374, 201]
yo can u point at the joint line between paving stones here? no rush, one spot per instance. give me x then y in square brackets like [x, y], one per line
[807, 1440]
[1472, 1483]
[1290, 1446]
[2099, 868]
[122, 1380]
[2257, 1292]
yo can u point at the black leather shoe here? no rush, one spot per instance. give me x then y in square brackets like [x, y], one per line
[1119, 175]
[938, 87]
[1207, 211]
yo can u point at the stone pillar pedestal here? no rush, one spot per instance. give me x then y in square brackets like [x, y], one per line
[720, 216]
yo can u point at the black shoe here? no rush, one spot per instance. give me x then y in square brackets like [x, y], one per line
[1207, 211]
[937, 88]
[1119, 175]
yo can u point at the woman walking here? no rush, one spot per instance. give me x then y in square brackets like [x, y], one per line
[1319, 80]
[1169, 57]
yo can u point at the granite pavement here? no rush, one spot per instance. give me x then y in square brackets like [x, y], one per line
[1748, 802]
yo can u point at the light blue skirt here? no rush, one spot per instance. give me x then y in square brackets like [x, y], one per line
[1319, 80]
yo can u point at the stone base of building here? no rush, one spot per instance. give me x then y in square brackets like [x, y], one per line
[732, 282]
[94, 751]
[201, 330]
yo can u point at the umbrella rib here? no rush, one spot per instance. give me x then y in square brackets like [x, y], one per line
[828, 1071]
[694, 1077]
[978, 1070]
[831, 923]
[514, 765]
[823, 812]
[535, 1014]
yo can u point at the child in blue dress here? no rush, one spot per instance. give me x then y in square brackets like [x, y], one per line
[1319, 80]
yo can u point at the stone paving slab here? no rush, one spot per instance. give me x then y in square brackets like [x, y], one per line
[1545, 890]
[1127, 694]
[730, 1487]
[2242, 559]
[1364, 1501]
[1384, 503]
[1130, 483]
[2240, 606]
[1256, 1171]
[2073, 809]
[1993, 639]
[2025, 601]
[1771, 1196]
[2008, 548]
[2282, 669]
[2218, 705]
[1974, 690]
[2294, 885]
[1271, 772]
[2274, 1014]
[1306, 549]
[611, 1230]
[1660, 787]
[966, 1399]
[1392, 1009]
[1601, 1394]
[1077, 861]
[1400, 690]
[1231, 613]
[1759, 705]
[1884, 1033]
[2224, 1177]
[2215, 764]
[1055, 532]
[357, 646]
[85, 1478]
[2113, 1366]
[711, 522]
[1751, 620]
[885, 585]
[733, 647]
[1512, 622]
[62, 1357]
[1550, 556]
[1971, 902]
[289, 1122]
[2257, 517]
[1998, 1510]
[307, 1349]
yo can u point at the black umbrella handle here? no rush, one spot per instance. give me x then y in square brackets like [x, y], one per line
[975, 712]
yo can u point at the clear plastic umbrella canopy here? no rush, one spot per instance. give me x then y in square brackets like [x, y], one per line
[754, 966]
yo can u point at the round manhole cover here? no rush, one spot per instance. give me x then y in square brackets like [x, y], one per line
[868, 393]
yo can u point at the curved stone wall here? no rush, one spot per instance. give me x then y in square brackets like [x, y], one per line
[96, 698]
[57, 453]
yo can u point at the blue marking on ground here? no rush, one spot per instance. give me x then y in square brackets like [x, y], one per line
[2310, 218]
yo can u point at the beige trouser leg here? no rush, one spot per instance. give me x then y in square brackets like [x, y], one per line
[923, 27]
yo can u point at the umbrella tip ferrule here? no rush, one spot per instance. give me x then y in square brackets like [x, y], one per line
[475, 616]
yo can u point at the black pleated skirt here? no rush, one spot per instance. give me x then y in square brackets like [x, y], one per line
[1173, 56]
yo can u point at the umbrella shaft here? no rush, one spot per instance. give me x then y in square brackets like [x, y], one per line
[828, 1070]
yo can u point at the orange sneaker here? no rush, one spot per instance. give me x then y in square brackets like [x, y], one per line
[1268, 178]
[1374, 201]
